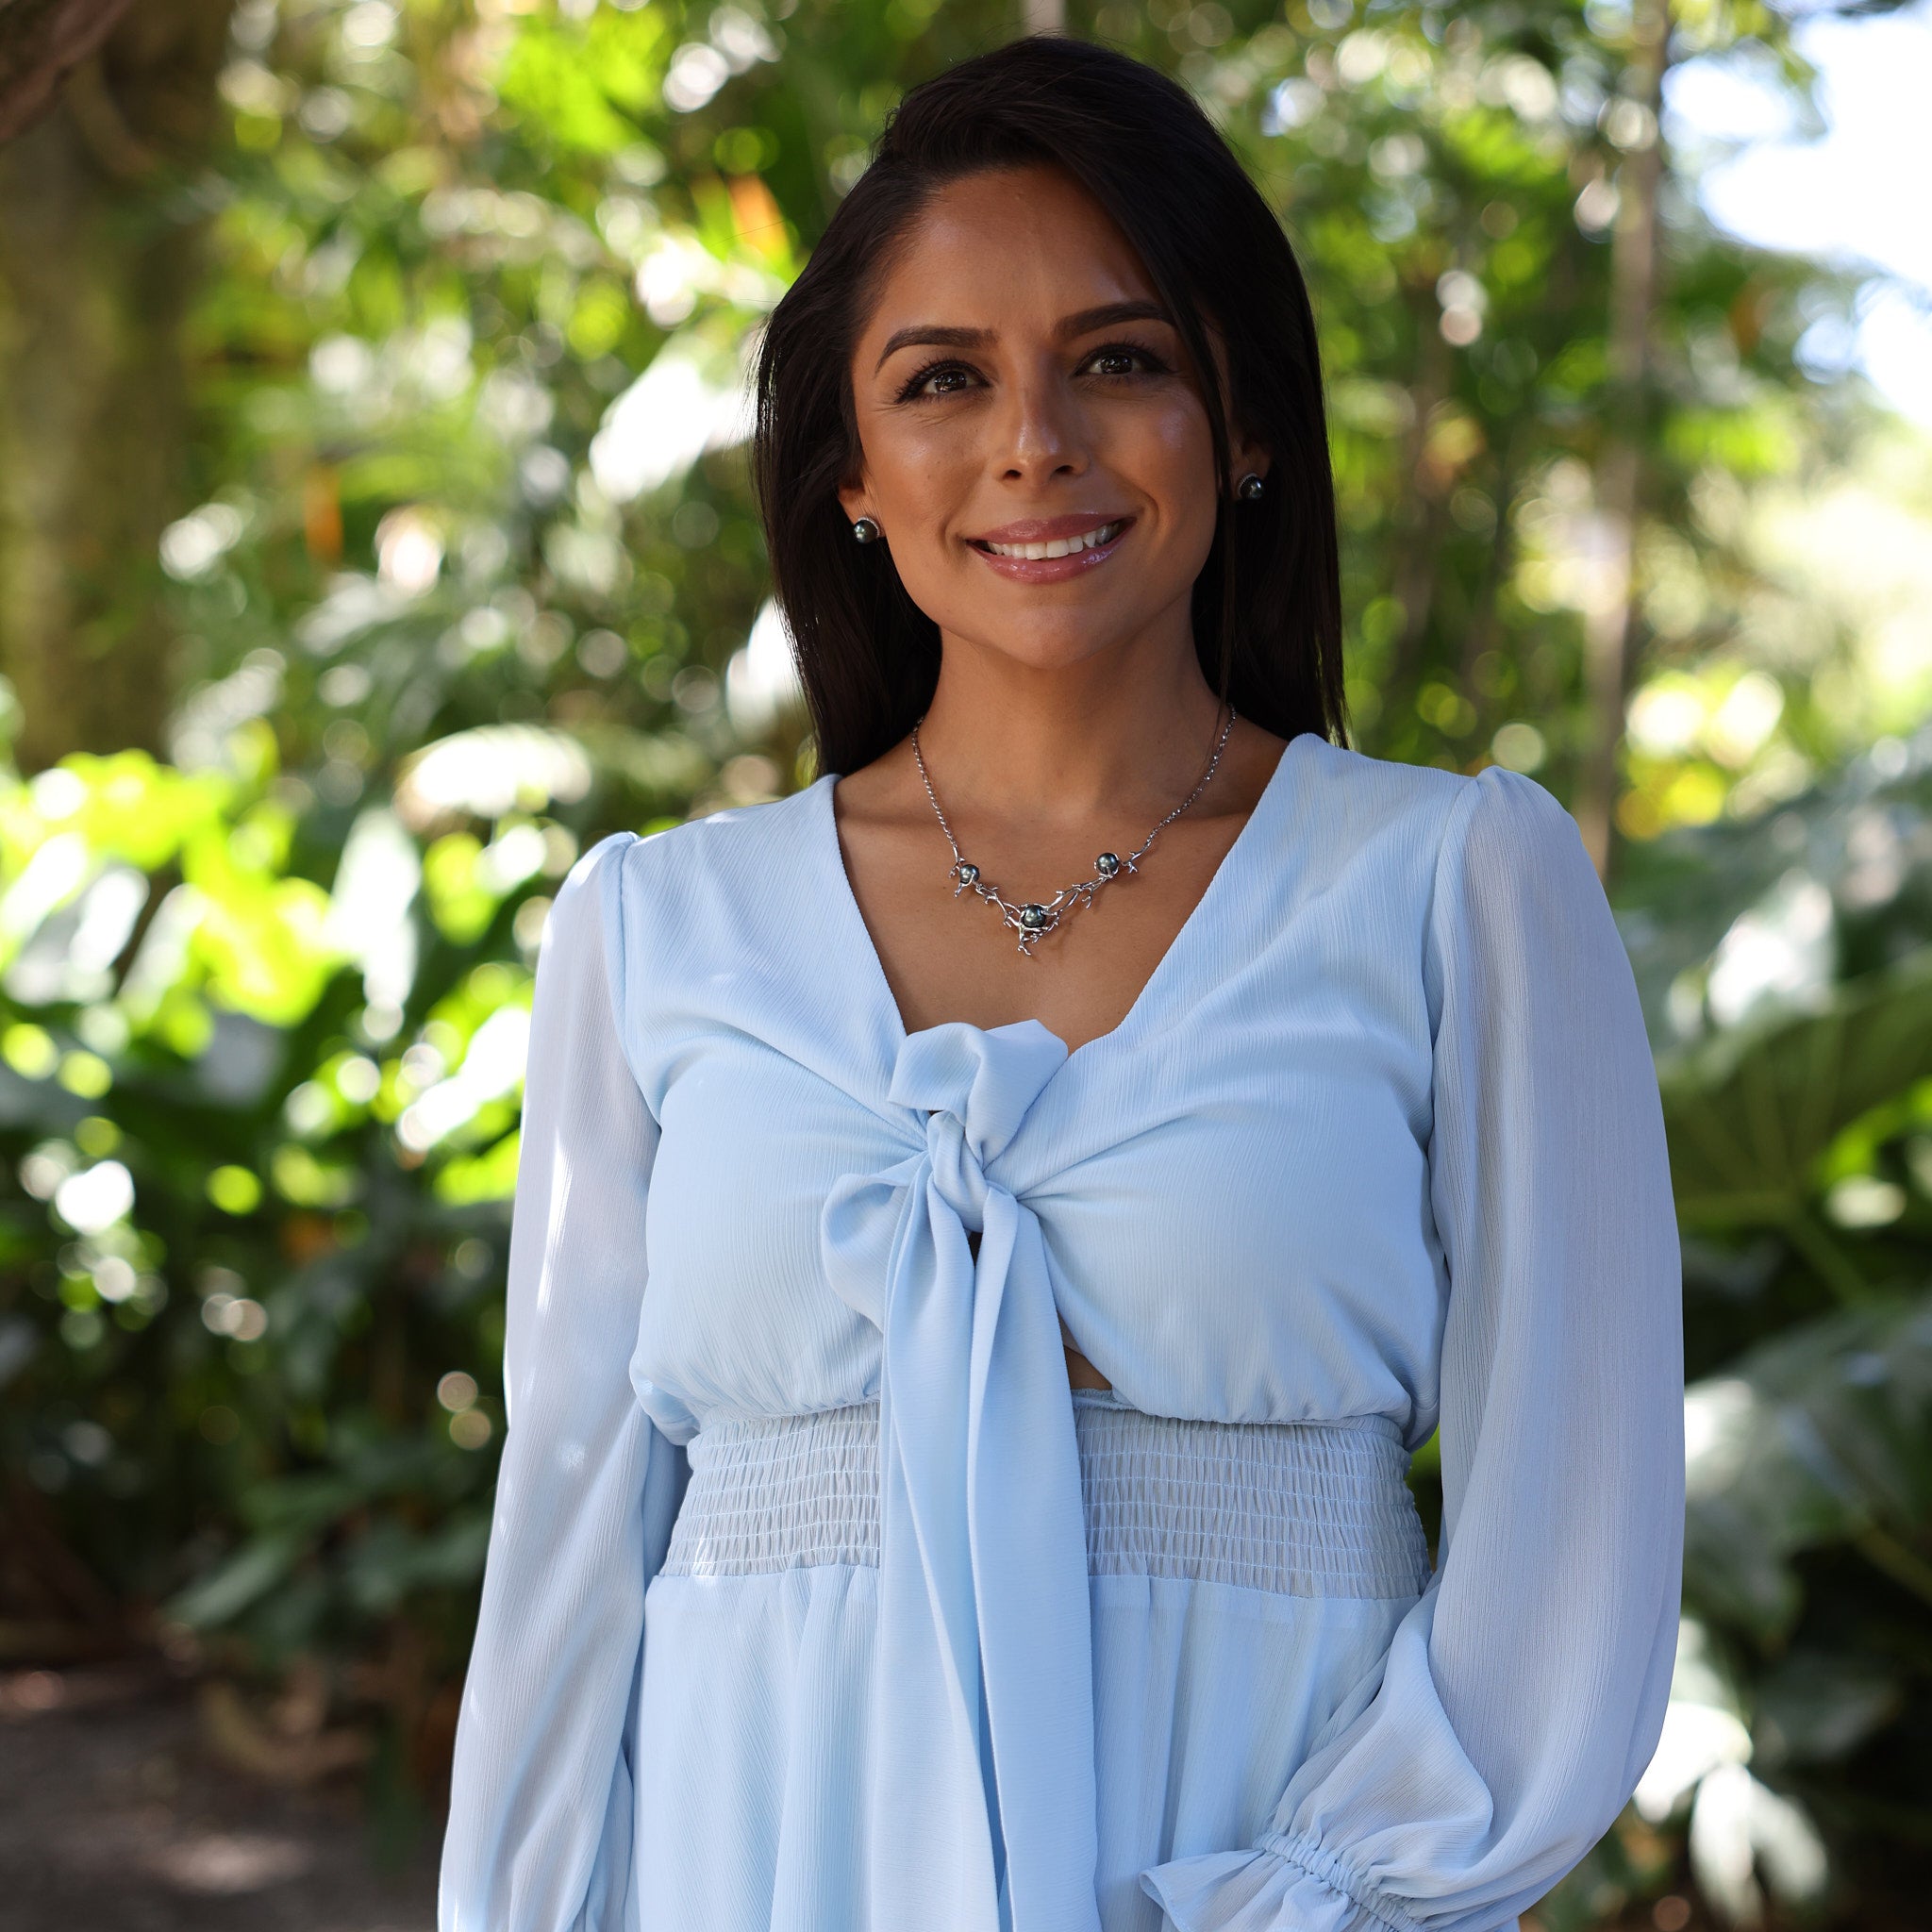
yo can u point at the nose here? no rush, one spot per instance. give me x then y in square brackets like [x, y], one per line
[1042, 433]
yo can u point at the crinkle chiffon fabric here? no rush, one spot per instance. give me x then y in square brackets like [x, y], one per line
[816, 1601]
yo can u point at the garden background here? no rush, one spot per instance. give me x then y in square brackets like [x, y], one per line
[375, 535]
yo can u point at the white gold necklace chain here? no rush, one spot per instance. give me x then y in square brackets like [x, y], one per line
[1034, 919]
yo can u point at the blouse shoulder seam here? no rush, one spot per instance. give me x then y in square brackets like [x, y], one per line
[1538, 813]
[1455, 820]
[612, 856]
[1452, 837]
[616, 938]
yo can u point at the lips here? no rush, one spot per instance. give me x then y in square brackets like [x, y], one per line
[1057, 546]
[1051, 549]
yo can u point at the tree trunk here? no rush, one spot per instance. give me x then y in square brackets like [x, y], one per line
[1611, 627]
[1484, 631]
[1420, 513]
[100, 254]
[40, 41]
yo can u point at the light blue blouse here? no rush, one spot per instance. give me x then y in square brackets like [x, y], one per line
[816, 1601]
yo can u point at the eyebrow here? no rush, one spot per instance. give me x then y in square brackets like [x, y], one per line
[933, 335]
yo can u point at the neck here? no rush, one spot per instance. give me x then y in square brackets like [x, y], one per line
[1124, 732]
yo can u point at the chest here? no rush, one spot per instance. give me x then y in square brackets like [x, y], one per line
[1234, 1181]
[948, 955]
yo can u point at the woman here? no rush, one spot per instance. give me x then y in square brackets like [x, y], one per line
[966, 1341]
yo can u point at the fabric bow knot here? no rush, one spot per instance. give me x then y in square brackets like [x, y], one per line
[981, 1809]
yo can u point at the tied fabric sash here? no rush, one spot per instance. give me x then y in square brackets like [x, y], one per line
[985, 1629]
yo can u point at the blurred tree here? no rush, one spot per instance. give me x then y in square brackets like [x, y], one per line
[40, 41]
[1610, 626]
[99, 259]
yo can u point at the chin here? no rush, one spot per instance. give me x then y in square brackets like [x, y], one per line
[1052, 645]
[1051, 636]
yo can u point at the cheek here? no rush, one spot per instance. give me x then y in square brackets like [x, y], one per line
[916, 468]
[1169, 455]
[921, 489]
[1178, 457]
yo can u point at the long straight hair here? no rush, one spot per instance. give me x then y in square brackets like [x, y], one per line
[1267, 606]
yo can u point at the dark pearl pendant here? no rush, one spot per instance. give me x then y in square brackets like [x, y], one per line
[967, 874]
[1107, 864]
[1033, 918]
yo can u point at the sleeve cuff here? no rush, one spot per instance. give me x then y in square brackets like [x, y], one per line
[1287, 1884]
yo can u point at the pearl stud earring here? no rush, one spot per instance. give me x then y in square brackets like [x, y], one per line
[1250, 487]
[865, 530]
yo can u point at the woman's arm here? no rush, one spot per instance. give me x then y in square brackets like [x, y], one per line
[540, 1826]
[1524, 1693]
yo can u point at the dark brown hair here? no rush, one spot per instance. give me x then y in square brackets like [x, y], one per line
[1267, 607]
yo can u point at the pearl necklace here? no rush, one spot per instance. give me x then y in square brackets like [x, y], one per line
[1033, 918]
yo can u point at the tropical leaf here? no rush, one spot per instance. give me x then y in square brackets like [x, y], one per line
[1750, 1116]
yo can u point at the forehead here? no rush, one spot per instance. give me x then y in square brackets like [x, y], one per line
[1004, 250]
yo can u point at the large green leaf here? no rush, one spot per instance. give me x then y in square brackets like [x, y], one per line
[1822, 1436]
[1750, 1115]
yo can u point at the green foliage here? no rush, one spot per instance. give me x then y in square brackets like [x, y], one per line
[1815, 1439]
[1752, 1119]
[1786, 965]
[249, 1323]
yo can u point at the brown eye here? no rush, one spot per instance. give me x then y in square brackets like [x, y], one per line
[936, 379]
[1118, 359]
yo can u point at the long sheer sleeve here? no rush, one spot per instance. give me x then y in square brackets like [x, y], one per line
[1522, 1694]
[539, 1828]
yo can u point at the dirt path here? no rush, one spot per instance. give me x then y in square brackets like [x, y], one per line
[115, 1819]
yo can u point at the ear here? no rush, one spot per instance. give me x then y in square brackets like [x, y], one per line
[855, 500]
[1244, 457]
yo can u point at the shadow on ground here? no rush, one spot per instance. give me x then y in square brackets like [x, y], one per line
[118, 1820]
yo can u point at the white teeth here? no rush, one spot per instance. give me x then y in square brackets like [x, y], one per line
[1065, 547]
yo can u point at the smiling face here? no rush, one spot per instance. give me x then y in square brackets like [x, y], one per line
[1035, 448]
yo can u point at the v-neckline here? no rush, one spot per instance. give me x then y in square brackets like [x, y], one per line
[882, 987]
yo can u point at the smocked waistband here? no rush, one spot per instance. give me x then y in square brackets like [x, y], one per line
[1294, 1509]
